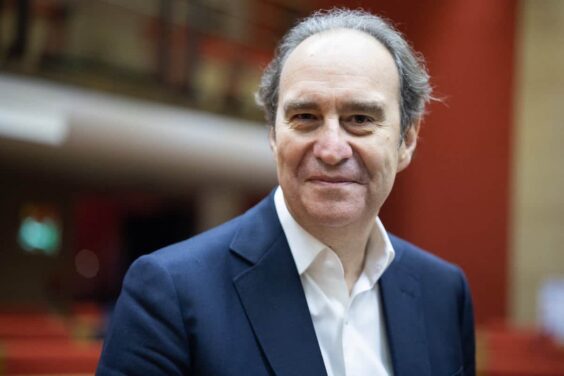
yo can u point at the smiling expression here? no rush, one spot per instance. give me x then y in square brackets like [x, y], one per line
[336, 138]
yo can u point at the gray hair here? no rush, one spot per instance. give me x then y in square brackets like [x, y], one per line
[415, 90]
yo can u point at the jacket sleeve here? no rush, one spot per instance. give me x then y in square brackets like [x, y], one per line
[467, 329]
[147, 334]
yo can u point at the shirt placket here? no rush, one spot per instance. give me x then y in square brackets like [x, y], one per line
[348, 356]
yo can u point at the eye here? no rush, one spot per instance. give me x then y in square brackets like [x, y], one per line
[360, 125]
[303, 122]
[360, 119]
[304, 117]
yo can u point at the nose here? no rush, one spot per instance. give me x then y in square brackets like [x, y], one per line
[331, 145]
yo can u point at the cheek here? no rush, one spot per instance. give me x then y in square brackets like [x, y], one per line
[290, 152]
[380, 160]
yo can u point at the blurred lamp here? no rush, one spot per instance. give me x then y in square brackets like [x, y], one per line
[40, 234]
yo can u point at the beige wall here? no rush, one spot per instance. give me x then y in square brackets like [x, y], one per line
[538, 170]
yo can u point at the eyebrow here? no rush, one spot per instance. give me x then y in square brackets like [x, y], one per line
[368, 107]
[300, 105]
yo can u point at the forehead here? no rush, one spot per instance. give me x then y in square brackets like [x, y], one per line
[342, 60]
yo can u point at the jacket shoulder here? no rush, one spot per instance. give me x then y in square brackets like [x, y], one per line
[212, 248]
[422, 262]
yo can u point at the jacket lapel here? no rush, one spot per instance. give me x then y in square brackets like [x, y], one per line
[272, 295]
[404, 317]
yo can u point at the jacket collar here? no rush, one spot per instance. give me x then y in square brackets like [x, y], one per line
[404, 315]
[272, 295]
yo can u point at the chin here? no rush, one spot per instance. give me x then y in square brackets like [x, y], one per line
[333, 215]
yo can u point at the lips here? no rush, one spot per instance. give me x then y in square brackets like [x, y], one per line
[332, 179]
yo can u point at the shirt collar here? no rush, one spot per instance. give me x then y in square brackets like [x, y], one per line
[305, 247]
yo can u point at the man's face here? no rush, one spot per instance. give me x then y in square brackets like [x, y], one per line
[337, 132]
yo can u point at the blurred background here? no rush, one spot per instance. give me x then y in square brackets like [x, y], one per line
[126, 125]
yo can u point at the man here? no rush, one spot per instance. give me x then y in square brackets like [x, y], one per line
[308, 282]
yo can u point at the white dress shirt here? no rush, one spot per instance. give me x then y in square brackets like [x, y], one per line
[349, 327]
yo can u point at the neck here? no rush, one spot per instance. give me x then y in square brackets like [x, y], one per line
[349, 243]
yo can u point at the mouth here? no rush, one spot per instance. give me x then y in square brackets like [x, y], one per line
[332, 180]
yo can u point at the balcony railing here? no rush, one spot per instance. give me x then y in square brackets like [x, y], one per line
[202, 54]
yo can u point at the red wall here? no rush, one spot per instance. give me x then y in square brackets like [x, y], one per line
[454, 199]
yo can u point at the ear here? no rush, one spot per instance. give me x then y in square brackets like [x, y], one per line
[407, 146]
[272, 139]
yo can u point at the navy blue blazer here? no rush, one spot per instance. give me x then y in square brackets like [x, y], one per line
[230, 302]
